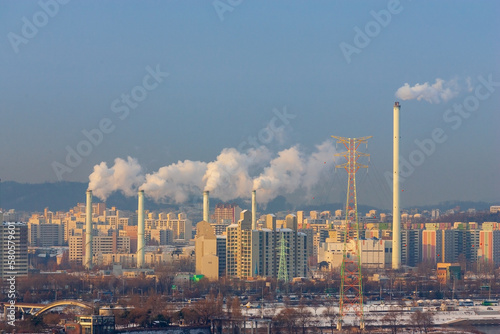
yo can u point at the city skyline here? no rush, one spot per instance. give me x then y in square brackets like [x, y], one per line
[169, 82]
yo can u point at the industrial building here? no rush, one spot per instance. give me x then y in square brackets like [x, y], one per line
[210, 252]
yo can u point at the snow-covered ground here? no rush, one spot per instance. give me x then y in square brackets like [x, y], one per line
[375, 312]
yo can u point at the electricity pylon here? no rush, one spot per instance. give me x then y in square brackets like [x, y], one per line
[283, 270]
[351, 284]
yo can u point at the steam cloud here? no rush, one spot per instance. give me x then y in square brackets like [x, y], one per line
[231, 175]
[440, 91]
[175, 181]
[124, 176]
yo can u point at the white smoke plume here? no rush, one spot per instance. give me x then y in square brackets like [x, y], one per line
[176, 181]
[293, 171]
[125, 176]
[228, 177]
[282, 176]
[318, 164]
[231, 175]
[440, 91]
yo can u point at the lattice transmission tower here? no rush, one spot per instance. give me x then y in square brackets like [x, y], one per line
[351, 284]
[283, 268]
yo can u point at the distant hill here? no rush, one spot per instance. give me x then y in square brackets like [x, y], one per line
[62, 196]
[58, 196]
[35, 197]
[463, 205]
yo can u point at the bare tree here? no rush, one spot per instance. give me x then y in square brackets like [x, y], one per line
[392, 320]
[422, 320]
[286, 320]
[208, 308]
[157, 307]
[330, 316]
[315, 304]
[304, 317]
[235, 308]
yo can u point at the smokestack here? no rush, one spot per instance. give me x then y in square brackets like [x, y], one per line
[396, 225]
[140, 229]
[88, 231]
[206, 207]
[254, 210]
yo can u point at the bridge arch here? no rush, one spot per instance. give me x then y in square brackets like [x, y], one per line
[61, 303]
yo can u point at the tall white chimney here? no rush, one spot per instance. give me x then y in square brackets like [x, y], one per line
[206, 207]
[140, 229]
[396, 225]
[254, 210]
[88, 231]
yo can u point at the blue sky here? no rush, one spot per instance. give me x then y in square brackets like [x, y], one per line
[227, 75]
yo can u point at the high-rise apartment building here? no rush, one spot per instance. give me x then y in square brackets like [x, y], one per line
[101, 244]
[251, 253]
[162, 237]
[452, 245]
[489, 247]
[431, 245]
[180, 226]
[42, 234]
[494, 208]
[375, 253]
[226, 213]
[13, 249]
[296, 254]
[240, 260]
[442, 243]
[471, 245]
[411, 247]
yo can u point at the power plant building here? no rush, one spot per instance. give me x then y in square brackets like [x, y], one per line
[210, 252]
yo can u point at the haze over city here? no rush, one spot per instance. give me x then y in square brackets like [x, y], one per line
[167, 82]
[232, 166]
